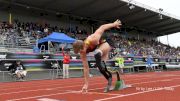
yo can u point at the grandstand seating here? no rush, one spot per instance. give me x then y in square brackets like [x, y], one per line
[24, 35]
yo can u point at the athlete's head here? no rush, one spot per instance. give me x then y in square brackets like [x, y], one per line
[77, 46]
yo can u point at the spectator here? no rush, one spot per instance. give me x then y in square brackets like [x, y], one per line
[66, 61]
[150, 62]
[120, 61]
[20, 70]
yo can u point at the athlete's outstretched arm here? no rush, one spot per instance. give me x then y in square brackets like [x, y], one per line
[105, 27]
[86, 71]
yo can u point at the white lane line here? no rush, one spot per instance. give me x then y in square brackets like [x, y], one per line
[39, 96]
[40, 85]
[47, 83]
[48, 99]
[110, 98]
[143, 78]
[167, 80]
[44, 84]
[71, 91]
[81, 85]
[94, 92]
[47, 89]
[103, 93]
[68, 91]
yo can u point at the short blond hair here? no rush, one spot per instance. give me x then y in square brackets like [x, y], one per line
[77, 46]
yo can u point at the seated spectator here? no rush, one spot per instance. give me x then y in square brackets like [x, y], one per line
[19, 70]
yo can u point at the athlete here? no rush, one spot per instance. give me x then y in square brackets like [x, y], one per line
[102, 47]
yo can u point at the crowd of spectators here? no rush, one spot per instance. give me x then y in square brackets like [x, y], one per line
[124, 46]
[7, 33]
[10, 33]
[143, 47]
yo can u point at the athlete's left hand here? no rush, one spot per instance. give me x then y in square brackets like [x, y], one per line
[85, 88]
[117, 23]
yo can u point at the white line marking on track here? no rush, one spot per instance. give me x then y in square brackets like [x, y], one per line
[110, 98]
[94, 92]
[71, 91]
[76, 91]
[167, 80]
[81, 85]
[48, 99]
[44, 84]
[55, 88]
[39, 96]
[142, 83]
[143, 78]
[52, 88]
[103, 93]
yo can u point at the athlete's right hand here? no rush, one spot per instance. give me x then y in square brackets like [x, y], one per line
[117, 23]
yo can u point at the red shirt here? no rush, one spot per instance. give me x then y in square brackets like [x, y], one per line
[66, 59]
